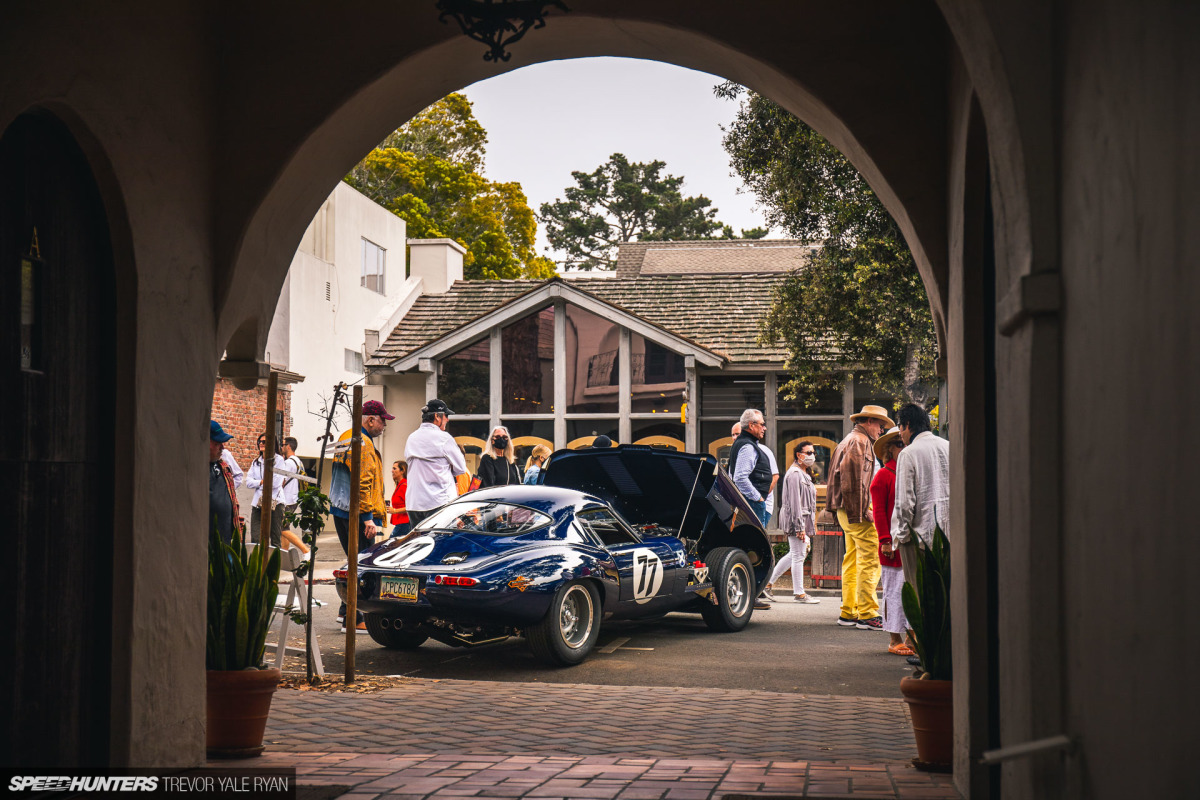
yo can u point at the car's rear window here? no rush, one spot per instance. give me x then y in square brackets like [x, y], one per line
[497, 519]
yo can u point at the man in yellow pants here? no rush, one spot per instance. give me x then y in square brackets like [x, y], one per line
[849, 496]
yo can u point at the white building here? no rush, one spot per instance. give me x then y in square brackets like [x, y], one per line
[347, 276]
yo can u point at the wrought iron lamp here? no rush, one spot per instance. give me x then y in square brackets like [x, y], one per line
[497, 23]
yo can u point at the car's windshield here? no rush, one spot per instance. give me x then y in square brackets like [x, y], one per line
[497, 519]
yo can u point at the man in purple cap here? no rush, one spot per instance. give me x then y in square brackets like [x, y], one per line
[369, 514]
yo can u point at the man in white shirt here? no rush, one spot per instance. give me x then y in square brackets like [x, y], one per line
[434, 461]
[922, 488]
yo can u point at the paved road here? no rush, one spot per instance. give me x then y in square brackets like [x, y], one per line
[791, 648]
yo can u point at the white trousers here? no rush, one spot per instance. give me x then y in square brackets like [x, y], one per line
[794, 560]
[892, 606]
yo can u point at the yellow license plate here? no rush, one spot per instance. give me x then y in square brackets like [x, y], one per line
[398, 589]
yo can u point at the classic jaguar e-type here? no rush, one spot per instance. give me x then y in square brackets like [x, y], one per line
[622, 533]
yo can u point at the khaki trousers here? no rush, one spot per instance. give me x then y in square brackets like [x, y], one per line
[860, 569]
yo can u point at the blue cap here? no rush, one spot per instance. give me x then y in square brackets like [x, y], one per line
[217, 433]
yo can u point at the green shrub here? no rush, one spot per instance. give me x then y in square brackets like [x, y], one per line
[928, 608]
[242, 587]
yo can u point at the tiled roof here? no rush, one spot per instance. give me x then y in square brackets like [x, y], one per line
[718, 312]
[711, 256]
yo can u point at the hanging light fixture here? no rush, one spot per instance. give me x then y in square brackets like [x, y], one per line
[497, 23]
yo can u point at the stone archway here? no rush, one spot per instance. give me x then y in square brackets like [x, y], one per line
[890, 110]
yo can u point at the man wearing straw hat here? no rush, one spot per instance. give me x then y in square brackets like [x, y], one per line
[849, 495]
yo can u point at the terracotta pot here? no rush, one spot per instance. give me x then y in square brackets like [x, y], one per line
[930, 704]
[238, 704]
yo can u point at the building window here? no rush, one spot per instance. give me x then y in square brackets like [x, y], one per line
[465, 379]
[730, 395]
[593, 368]
[581, 432]
[373, 261]
[823, 403]
[354, 362]
[662, 433]
[658, 378]
[527, 359]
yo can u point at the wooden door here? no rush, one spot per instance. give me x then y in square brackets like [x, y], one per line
[56, 448]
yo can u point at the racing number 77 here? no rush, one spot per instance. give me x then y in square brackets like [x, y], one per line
[647, 567]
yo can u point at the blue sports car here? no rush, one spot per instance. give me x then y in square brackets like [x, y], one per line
[622, 533]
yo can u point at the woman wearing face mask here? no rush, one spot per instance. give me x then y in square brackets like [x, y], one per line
[797, 518]
[497, 465]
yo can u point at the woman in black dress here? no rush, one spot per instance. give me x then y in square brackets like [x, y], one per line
[497, 465]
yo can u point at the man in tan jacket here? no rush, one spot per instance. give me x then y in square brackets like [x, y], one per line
[849, 496]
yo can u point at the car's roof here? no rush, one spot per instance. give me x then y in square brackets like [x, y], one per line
[547, 499]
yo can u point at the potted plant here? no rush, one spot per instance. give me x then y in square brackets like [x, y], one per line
[242, 587]
[929, 695]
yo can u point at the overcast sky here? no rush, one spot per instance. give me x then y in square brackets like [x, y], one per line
[549, 119]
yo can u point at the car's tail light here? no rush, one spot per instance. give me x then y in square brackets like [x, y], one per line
[696, 564]
[341, 574]
[454, 580]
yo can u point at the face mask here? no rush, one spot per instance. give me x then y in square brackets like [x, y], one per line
[809, 461]
[500, 442]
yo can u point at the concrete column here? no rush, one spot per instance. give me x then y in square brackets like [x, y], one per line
[429, 368]
[770, 395]
[624, 387]
[848, 404]
[496, 393]
[560, 374]
[692, 427]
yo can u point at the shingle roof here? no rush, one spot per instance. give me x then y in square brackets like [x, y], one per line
[711, 256]
[719, 312]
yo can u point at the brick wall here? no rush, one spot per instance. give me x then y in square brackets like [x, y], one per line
[243, 413]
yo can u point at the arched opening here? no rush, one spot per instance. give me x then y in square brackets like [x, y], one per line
[919, 208]
[57, 455]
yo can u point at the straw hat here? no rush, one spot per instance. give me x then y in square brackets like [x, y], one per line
[873, 412]
[883, 442]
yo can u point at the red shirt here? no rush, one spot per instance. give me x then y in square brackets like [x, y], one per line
[883, 500]
[398, 502]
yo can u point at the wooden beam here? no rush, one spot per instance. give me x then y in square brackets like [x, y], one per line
[353, 535]
[268, 487]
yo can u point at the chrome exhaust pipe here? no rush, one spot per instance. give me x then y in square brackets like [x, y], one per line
[397, 624]
[383, 623]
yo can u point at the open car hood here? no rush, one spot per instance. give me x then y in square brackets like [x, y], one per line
[650, 485]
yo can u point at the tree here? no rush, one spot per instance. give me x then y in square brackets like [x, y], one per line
[429, 172]
[623, 201]
[859, 300]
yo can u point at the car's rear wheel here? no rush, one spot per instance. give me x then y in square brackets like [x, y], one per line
[380, 628]
[733, 582]
[568, 632]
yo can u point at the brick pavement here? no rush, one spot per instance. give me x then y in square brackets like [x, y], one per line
[458, 739]
[449, 715]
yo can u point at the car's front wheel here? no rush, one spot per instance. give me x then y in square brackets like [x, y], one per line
[380, 628]
[568, 632]
[733, 583]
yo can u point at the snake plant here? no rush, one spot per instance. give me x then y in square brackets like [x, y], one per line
[927, 606]
[242, 587]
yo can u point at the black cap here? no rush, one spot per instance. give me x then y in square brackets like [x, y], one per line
[602, 441]
[436, 406]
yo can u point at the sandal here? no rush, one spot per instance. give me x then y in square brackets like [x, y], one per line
[900, 649]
